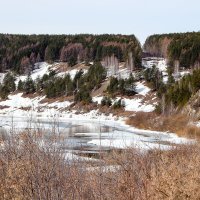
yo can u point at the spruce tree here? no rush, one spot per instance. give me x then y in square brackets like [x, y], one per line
[29, 86]
[20, 86]
[9, 82]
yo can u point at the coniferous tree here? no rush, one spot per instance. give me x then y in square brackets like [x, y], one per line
[9, 82]
[4, 92]
[29, 86]
[20, 86]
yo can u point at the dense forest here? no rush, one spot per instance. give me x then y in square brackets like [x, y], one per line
[181, 48]
[20, 52]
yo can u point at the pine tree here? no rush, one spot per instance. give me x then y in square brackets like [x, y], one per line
[29, 86]
[20, 86]
[9, 82]
[4, 92]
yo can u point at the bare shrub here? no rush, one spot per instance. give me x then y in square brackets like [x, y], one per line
[155, 175]
[31, 169]
[33, 166]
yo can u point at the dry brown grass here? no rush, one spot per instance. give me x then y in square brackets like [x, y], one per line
[143, 120]
[177, 123]
[31, 171]
[59, 99]
[190, 131]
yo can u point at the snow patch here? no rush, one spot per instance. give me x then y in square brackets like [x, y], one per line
[42, 68]
[160, 63]
[142, 89]
[137, 106]
[97, 99]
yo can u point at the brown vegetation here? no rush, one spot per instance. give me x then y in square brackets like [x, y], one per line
[31, 169]
[176, 123]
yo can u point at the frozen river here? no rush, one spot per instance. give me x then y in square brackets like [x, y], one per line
[90, 136]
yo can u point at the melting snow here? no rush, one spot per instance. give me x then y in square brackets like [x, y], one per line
[133, 104]
[124, 137]
[73, 72]
[131, 137]
[136, 105]
[142, 89]
[97, 99]
[160, 63]
[43, 68]
[17, 101]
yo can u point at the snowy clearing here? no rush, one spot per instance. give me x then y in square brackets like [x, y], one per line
[42, 68]
[135, 103]
[160, 63]
[142, 89]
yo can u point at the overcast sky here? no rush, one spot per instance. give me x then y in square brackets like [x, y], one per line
[141, 17]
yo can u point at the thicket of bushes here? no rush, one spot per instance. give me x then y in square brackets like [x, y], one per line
[31, 169]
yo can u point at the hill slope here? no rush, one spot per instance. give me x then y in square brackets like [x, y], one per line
[21, 52]
[181, 49]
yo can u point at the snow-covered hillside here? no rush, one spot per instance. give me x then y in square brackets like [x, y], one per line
[136, 103]
[161, 65]
[19, 110]
[17, 103]
[44, 68]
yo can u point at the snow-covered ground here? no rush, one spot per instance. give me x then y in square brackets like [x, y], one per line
[18, 104]
[135, 103]
[97, 99]
[72, 72]
[44, 68]
[121, 135]
[160, 63]
[17, 101]
[142, 89]
[21, 112]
